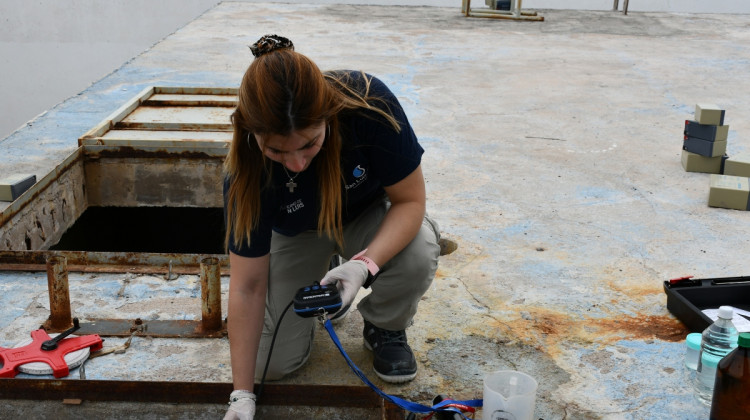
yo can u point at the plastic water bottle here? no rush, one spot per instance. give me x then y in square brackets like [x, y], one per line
[706, 376]
[718, 340]
[731, 398]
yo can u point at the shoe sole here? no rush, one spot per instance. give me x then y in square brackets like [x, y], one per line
[392, 379]
[337, 319]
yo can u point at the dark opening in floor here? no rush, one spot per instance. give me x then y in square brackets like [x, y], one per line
[182, 230]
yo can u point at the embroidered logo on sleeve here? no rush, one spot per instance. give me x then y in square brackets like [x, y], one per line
[360, 176]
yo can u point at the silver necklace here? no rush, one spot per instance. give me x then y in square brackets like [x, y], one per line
[291, 184]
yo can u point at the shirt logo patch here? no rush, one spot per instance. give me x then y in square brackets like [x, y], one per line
[360, 176]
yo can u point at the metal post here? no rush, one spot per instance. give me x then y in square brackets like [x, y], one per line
[211, 294]
[59, 295]
[515, 13]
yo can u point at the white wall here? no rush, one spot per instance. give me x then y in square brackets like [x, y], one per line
[53, 49]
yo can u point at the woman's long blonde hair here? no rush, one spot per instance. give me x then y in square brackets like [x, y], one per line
[281, 92]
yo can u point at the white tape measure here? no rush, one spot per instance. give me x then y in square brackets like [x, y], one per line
[73, 359]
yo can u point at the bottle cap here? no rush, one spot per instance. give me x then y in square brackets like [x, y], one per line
[693, 340]
[744, 340]
[726, 312]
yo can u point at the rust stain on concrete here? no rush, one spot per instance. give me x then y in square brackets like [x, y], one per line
[552, 331]
[661, 327]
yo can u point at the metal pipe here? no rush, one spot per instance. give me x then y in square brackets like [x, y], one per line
[59, 294]
[186, 392]
[109, 262]
[211, 294]
[287, 395]
[495, 14]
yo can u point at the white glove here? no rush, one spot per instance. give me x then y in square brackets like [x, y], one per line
[241, 405]
[348, 278]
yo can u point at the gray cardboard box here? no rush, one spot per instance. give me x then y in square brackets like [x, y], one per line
[738, 165]
[706, 132]
[693, 162]
[729, 192]
[12, 186]
[709, 114]
[704, 147]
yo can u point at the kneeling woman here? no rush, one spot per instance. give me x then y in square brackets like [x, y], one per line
[321, 164]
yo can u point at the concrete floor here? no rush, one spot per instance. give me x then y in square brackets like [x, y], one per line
[552, 159]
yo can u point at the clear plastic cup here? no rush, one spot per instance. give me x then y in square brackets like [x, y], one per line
[692, 350]
[509, 395]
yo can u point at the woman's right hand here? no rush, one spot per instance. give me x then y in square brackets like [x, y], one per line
[241, 406]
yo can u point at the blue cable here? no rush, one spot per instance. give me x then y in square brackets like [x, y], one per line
[406, 405]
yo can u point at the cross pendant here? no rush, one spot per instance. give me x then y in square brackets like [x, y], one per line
[291, 185]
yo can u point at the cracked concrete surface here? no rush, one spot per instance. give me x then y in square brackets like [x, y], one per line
[552, 160]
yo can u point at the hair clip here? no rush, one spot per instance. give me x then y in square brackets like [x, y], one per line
[270, 43]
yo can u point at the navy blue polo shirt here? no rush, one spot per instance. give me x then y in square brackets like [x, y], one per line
[373, 155]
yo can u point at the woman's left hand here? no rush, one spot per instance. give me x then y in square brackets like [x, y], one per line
[348, 278]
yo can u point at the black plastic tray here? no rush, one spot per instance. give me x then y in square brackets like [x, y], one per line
[687, 298]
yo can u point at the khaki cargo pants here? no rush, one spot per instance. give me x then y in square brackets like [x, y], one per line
[303, 259]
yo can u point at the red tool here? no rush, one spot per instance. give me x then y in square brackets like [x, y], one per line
[679, 279]
[48, 350]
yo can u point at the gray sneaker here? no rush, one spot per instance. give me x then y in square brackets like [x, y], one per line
[394, 361]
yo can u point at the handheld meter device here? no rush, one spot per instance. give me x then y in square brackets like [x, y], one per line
[314, 300]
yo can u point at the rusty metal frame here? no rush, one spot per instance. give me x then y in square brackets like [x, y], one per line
[196, 392]
[110, 262]
[57, 264]
[210, 325]
[515, 12]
